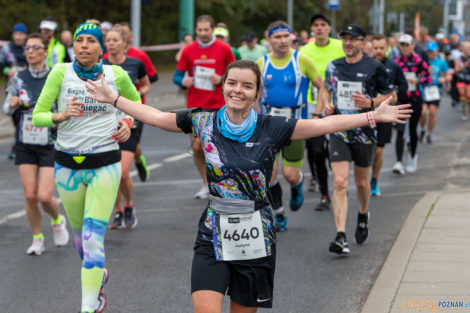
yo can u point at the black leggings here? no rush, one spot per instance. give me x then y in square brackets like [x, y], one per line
[417, 106]
[317, 154]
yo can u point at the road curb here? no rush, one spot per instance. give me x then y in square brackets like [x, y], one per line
[383, 292]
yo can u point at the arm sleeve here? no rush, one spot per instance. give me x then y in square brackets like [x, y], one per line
[402, 84]
[178, 77]
[42, 115]
[124, 84]
[328, 76]
[426, 77]
[308, 68]
[12, 90]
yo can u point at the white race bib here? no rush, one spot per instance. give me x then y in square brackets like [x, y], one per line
[242, 236]
[344, 92]
[431, 93]
[408, 75]
[285, 112]
[31, 134]
[202, 78]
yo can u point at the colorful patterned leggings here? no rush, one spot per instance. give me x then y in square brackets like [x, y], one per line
[88, 197]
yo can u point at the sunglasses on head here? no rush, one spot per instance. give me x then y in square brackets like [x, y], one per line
[34, 47]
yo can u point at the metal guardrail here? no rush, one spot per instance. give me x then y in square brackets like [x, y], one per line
[165, 47]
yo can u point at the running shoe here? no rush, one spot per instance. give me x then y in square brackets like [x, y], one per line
[374, 188]
[313, 187]
[142, 169]
[429, 139]
[324, 204]
[280, 222]
[339, 245]
[296, 196]
[37, 247]
[203, 193]
[412, 164]
[421, 135]
[61, 235]
[362, 228]
[101, 301]
[130, 221]
[118, 221]
[398, 169]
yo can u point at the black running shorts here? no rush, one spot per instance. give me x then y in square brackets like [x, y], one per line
[43, 156]
[360, 153]
[248, 282]
[133, 141]
[384, 134]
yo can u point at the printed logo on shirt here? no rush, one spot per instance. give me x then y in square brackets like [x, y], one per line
[251, 144]
[361, 75]
[203, 56]
[204, 61]
[269, 76]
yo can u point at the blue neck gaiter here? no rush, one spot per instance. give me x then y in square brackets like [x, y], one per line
[88, 73]
[240, 133]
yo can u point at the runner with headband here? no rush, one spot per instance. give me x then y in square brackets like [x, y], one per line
[236, 246]
[87, 157]
[287, 74]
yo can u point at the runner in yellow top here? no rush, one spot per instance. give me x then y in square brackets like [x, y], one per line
[322, 50]
[287, 74]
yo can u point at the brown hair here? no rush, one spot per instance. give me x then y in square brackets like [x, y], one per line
[277, 24]
[120, 30]
[379, 37]
[38, 36]
[206, 18]
[249, 65]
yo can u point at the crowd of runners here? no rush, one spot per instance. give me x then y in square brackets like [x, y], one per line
[77, 102]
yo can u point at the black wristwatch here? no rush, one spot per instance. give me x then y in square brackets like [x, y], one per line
[317, 115]
[371, 103]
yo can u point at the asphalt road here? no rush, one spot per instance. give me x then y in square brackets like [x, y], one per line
[150, 265]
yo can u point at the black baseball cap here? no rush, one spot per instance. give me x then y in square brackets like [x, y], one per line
[323, 17]
[353, 30]
[249, 36]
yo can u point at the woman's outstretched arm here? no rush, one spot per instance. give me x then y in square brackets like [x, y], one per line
[336, 123]
[144, 113]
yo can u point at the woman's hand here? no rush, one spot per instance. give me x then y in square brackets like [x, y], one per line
[73, 109]
[392, 114]
[329, 109]
[101, 92]
[123, 133]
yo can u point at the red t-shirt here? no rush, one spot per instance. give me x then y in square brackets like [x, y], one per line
[205, 60]
[142, 56]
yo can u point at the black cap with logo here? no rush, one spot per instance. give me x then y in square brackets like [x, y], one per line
[353, 30]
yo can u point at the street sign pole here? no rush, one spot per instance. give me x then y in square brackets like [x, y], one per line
[333, 6]
[135, 22]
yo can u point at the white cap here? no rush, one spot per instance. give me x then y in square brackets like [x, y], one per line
[440, 36]
[405, 38]
[106, 25]
[48, 25]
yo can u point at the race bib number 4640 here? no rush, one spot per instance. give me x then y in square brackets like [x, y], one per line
[344, 92]
[242, 236]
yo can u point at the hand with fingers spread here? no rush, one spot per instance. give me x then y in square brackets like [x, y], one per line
[392, 113]
[101, 92]
[73, 110]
